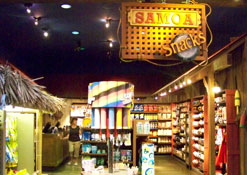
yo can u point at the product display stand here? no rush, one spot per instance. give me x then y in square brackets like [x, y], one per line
[139, 135]
[2, 142]
[164, 130]
[227, 137]
[199, 132]
[181, 131]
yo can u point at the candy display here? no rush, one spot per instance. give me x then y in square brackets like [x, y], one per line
[111, 94]
[11, 142]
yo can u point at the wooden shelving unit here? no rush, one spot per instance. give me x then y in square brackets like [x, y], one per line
[225, 114]
[94, 155]
[181, 131]
[138, 138]
[199, 143]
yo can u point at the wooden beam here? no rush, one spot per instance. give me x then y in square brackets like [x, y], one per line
[211, 122]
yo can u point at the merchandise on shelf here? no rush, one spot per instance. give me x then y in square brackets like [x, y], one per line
[181, 134]
[146, 161]
[11, 142]
[198, 133]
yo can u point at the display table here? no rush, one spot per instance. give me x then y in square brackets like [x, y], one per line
[54, 150]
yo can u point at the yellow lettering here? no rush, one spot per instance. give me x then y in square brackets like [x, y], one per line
[168, 51]
[188, 20]
[183, 46]
[162, 19]
[174, 49]
[187, 43]
[202, 38]
[174, 20]
[194, 41]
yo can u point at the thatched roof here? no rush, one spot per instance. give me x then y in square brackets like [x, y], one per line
[22, 91]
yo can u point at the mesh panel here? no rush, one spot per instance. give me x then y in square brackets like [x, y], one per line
[147, 41]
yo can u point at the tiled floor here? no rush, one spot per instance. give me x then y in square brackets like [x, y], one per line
[164, 165]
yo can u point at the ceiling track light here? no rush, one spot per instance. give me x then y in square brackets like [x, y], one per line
[28, 7]
[110, 43]
[188, 81]
[108, 22]
[45, 32]
[175, 87]
[36, 20]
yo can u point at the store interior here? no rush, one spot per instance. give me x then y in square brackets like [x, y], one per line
[138, 110]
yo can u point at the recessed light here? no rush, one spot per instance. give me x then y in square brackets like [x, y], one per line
[66, 6]
[75, 32]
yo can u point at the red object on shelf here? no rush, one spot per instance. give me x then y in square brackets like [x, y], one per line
[150, 108]
[146, 108]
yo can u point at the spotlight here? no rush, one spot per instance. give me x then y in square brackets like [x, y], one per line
[181, 85]
[28, 7]
[175, 87]
[29, 10]
[163, 94]
[184, 83]
[45, 32]
[189, 81]
[170, 91]
[156, 98]
[216, 89]
[36, 20]
[75, 32]
[110, 43]
[138, 99]
[66, 6]
[108, 22]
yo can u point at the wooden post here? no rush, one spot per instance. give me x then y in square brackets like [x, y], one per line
[211, 122]
[39, 120]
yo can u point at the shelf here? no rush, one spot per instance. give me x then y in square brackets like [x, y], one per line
[165, 128]
[160, 143]
[93, 142]
[130, 162]
[142, 135]
[153, 136]
[152, 120]
[153, 128]
[157, 153]
[164, 135]
[163, 120]
[144, 112]
[221, 103]
[92, 154]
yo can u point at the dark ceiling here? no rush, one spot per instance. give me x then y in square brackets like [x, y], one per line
[68, 72]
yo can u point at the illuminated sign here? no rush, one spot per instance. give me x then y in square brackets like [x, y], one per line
[153, 31]
[185, 46]
[164, 18]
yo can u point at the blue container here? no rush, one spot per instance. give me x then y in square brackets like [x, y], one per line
[94, 149]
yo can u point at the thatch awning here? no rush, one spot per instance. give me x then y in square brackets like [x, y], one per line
[22, 91]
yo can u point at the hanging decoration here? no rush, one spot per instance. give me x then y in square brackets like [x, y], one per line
[163, 31]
